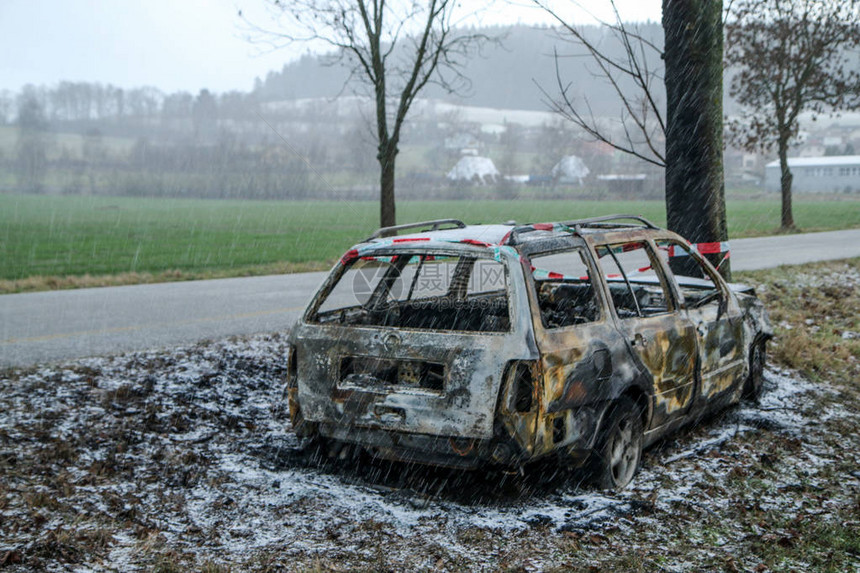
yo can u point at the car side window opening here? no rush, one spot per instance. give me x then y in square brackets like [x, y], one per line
[694, 279]
[419, 290]
[637, 289]
[565, 292]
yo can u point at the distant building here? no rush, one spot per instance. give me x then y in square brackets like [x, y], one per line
[750, 160]
[539, 180]
[571, 170]
[624, 184]
[464, 143]
[837, 174]
[812, 150]
[476, 170]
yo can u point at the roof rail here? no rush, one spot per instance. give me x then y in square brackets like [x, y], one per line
[434, 226]
[607, 218]
[577, 224]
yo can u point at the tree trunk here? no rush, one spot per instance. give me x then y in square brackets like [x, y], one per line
[387, 216]
[695, 188]
[786, 179]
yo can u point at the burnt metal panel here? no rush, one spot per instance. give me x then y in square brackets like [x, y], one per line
[473, 364]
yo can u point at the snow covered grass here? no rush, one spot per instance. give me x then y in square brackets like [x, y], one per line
[185, 460]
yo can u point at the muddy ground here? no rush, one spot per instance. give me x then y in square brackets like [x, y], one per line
[185, 460]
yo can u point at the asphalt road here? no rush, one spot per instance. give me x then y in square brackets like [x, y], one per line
[58, 325]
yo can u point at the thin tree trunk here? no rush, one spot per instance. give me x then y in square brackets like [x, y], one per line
[786, 180]
[387, 216]
[695, 187]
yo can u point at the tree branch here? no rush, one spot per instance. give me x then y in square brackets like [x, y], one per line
[637, 109]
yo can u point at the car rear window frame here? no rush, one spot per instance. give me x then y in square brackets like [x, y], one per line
[334, 277]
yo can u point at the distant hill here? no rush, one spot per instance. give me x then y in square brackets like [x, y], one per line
[509, 75]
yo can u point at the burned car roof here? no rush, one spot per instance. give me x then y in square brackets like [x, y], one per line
[495, 235]
[473, 234]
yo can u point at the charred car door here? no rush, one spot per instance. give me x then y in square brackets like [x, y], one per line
[660, 337]
[717, 318]
[577, 343]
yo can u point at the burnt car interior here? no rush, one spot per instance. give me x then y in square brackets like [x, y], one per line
[696, 284]
[369, 372]
[564, 289]
[567, 303]
[420, 291]
[637, 289]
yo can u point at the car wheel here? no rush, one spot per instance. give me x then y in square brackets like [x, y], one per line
[755, 381]
[619, 449]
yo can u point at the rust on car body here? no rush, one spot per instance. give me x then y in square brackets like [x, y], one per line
[455, 346]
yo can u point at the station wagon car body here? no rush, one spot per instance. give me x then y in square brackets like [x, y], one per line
[465, 345]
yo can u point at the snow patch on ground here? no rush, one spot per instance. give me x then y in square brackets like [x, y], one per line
[192, 449]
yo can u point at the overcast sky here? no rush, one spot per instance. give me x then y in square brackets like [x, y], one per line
[180, 44]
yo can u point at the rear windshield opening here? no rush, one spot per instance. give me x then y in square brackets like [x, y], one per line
[419, 291]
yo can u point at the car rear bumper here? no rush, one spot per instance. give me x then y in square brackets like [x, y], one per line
[442, 451]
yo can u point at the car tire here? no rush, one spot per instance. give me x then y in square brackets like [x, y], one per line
[619, 448]
[755, 381]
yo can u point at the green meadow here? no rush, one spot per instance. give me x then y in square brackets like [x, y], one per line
[99, 236]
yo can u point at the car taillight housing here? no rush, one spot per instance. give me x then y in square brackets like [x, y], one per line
[521, 377]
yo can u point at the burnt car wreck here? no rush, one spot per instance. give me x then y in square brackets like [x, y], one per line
[465, 346]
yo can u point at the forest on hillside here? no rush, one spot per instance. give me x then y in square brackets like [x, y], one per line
[303, 131]
[511, 72]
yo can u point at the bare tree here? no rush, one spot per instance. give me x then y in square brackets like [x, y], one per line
[204, 116]
[640, 128]
[686, 136]
[510, 140]
[397, 48]
[143, 102]
[7, 105]
[32, 146]
[791, 56]
[555, 141]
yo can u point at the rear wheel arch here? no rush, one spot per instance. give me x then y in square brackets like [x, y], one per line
[643, 402]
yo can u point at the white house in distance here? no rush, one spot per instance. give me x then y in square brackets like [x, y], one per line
[570, 170]
[474, 169]
[837, 174]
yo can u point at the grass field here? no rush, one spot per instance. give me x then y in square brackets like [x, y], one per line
[43, 236]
